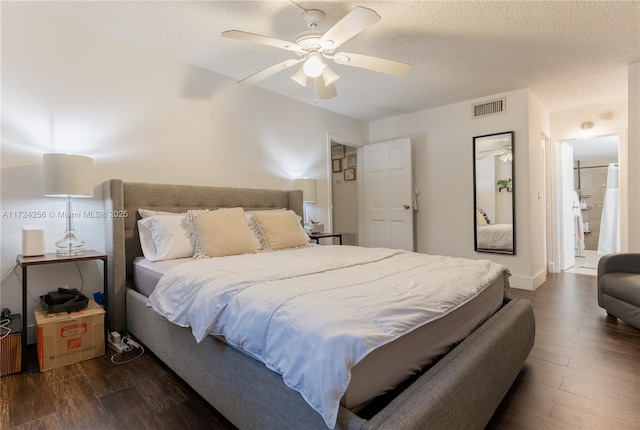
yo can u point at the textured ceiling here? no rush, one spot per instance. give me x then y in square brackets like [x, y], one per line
[570, 54]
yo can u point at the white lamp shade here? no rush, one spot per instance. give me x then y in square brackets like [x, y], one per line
[308, 187]
[67, 175]
[329, 76]
[300, 77]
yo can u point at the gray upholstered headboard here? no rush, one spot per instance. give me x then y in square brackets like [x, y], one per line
[122, 241]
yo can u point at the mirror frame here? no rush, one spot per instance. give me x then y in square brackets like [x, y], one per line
[513, 195]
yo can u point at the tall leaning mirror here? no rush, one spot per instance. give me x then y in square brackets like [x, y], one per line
[494, 193]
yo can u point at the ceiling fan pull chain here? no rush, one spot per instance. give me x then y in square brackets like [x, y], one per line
[315, 92]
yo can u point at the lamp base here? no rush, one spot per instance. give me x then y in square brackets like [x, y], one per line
[70, 245]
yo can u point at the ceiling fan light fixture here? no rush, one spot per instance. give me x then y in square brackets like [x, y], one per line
[300, 77]
[507, 157]
[313, 66]
[329, 76]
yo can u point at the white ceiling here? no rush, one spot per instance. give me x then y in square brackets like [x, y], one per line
[570, 54]
[602, 147]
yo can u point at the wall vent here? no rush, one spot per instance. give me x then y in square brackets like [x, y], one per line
[490, 108]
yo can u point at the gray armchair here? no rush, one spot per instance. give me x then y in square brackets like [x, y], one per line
[619, 286]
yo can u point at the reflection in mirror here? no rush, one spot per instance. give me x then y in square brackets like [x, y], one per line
[494, 193]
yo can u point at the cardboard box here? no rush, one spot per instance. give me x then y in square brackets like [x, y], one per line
[67, 338]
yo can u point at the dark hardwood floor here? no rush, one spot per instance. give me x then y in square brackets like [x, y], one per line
[584, 369]
[583, 373]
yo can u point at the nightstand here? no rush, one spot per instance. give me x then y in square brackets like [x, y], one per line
[53, 258]
[318, 236]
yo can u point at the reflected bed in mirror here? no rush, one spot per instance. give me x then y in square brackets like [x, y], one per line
[494, 193]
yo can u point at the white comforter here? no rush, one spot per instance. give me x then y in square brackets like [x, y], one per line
[313, 313]
[496, 236]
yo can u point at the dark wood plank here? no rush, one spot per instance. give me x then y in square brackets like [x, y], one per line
[29, 397]
[158, 389]
[130, 410]
[105, 377]
[595, 358]
[77, 406]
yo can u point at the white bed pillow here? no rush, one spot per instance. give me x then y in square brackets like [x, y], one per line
[281, 229]
[219, 233]
[162, 237]
[146, 213]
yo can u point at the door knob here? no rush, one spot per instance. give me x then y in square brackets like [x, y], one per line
[406, 206]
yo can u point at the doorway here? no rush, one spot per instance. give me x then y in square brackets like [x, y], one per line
[344, 190]
[589, 202]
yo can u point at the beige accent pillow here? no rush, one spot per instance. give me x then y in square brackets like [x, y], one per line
[281, 229]
[480, 221]
[221, 232]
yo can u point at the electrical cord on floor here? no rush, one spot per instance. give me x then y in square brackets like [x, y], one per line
[130, 345]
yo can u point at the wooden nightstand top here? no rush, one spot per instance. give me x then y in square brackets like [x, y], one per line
[53, 257]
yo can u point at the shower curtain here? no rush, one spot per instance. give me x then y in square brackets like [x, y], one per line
[609, 240]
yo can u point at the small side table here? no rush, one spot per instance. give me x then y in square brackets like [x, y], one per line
[53, 258]
[318, 236]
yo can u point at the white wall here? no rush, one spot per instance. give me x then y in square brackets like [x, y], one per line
[142, 117]
[539, 126]
[442, 155]
[633, 152]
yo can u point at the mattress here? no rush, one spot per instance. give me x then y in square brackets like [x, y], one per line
[386, 367]
[146, 274]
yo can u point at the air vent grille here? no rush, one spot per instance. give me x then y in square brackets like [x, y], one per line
[490, 108]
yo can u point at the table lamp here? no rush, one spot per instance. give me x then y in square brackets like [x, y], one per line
[308, 187]
[67, 175]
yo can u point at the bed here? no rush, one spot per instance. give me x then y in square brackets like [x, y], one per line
[495, 237]
[461, 390]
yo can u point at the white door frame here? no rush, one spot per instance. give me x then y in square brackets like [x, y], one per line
[555, 209]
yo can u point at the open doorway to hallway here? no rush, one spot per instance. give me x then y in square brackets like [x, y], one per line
[590, 202]
[344, 190]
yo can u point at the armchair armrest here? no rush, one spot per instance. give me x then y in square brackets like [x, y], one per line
[625, 263]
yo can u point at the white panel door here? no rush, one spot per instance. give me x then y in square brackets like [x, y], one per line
[388, 194]
[566, 201]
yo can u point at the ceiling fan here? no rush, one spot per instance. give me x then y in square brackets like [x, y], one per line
[313, 48]
[504, 153]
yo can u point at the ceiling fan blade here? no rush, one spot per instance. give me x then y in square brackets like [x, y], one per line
[264, 40]
[257, 77]
[350, 25]
[323, 92]
[382, 65]
[481, 155]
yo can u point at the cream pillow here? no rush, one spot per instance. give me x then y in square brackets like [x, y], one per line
[220, 233]
[480, 221]
[281, 229]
